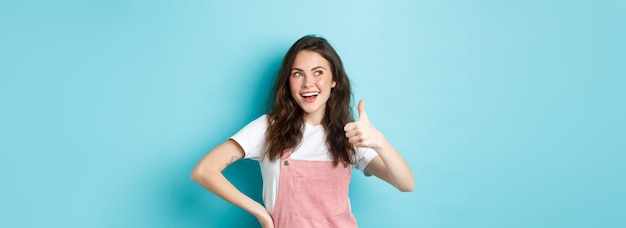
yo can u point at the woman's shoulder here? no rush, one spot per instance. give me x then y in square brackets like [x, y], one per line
[262, 117]
[259, 122]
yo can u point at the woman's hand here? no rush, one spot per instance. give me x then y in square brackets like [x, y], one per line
[389, 166]
[208, 173]
[362, 133]
[265, 219]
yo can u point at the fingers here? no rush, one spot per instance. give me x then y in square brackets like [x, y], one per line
[353, 133]
[350, 126]
[361, 108]
[358, 132]
[357, 141]
[356, 135]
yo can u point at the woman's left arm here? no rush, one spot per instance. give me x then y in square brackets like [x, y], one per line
[389, 164]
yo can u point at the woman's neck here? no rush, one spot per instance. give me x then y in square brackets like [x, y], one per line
[313, 119]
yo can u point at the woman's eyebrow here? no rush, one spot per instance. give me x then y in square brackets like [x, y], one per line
[318, 67]
[312, 69]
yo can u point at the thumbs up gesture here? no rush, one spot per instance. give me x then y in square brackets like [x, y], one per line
[362, 133]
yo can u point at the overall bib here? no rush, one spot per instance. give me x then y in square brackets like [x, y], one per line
[313, 194]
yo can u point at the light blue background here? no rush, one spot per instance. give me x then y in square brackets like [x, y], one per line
[510, 113]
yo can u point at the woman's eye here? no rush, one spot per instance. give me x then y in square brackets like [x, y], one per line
[318, 73]
[297, 74]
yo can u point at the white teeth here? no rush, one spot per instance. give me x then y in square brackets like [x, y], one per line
[310, 94]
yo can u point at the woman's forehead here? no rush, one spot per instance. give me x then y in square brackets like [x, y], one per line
[309, 60]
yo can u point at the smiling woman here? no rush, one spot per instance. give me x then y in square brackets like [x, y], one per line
[306, 146]
[311, 88]
[500, 108]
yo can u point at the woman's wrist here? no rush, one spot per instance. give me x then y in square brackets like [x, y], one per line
[264, 218]
[381, 145]
[260, 212]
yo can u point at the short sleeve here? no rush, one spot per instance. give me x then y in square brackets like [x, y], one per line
[364, 157]
[252, 138]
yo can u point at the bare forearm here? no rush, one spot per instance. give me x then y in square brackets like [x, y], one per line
[398, 171]
[215, 182]
[390, 167]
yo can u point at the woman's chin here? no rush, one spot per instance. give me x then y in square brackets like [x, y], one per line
[311, 110]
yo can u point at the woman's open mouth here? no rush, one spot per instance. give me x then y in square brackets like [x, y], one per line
[309, 97]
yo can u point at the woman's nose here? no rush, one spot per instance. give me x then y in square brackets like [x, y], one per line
[308, 81]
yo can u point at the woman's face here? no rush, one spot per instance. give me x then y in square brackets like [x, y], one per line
[310, 83]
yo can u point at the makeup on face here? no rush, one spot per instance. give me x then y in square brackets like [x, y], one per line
[311, 81]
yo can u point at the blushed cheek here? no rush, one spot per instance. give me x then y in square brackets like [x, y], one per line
[318, 85]
[322, 84]
[293, 85]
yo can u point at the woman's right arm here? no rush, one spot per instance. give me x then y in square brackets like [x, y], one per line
[208, 173]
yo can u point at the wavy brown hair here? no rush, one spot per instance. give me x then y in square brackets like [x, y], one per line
[285, 118]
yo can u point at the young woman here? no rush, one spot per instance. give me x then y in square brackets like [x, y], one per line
[307, 146]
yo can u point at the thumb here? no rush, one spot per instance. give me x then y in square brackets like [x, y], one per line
[361, 107]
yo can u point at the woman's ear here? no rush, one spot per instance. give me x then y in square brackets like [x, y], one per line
[333, 85]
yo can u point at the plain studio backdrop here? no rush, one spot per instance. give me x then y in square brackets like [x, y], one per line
[510, 113]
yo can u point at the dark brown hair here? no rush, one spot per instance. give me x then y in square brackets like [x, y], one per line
[285, 118]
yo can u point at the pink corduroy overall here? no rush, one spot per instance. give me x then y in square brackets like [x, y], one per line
[313, 194]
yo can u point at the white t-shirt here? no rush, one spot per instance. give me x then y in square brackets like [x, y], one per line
[312, 147]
